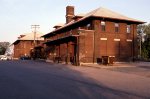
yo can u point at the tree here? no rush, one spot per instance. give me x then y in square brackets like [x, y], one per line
[146, 44]
[3, 47]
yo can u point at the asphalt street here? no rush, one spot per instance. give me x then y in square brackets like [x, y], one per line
[41, 80]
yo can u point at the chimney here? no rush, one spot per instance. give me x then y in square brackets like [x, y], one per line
[69, 13]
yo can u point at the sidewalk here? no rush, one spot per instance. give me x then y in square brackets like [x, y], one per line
[108, 66]
[132, 84]
[118, 64]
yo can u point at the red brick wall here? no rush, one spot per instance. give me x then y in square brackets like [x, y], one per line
[95, 43]
[122, 49]
[86, 48]
[23, 48]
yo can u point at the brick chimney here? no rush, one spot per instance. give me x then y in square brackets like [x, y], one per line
[69, 13]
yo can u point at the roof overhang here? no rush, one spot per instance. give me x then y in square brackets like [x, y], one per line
[16, 42]
[65, 26]
[125, 20]
[87, 17]
[39, 46]
[62, 40]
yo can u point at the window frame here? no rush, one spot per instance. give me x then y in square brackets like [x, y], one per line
[116, 27]
[88, 26]
[128, 30]
[103, 26]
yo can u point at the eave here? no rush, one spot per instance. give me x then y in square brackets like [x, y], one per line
[62, 39]
[85, 18]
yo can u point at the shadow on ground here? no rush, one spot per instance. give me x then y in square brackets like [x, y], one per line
[39, 80]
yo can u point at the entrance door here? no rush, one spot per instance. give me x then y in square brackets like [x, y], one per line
[72, 53]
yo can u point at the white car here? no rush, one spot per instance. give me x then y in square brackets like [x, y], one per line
[4, 58]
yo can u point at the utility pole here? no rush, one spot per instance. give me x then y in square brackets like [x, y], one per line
[141, 38]
[35, 27]
[140, 46]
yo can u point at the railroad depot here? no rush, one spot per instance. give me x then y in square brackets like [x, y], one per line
[24, 45]
[87, 38]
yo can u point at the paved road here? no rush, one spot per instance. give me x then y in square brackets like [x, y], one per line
[139, 68]
[40, 80]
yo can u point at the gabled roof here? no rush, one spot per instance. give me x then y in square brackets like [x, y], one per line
[106, 13]
[65, 25]
[30, 36]
[101, 13]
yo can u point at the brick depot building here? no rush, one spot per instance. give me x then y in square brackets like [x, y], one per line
[86, 38]
[25, 43]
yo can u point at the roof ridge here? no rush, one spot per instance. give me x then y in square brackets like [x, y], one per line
[108, 13]
[101, 12]
[91, 12]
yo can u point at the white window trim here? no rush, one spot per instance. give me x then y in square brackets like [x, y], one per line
[128, 28]
[116, 39]
[129, 40]
[103, 39]
[103, 23]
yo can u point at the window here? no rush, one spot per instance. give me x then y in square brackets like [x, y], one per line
[103, 24]
[32, 43]
[128, 28]
[116, 27]
[88, 26]
[70, 32]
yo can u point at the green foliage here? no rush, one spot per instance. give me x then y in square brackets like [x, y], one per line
[2, 50]
[145, 53]
[146, 45]
[147, 29]
[3, 47]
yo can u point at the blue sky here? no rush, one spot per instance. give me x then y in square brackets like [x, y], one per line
[17, 16]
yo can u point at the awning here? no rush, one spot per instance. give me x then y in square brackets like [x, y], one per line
[63, 39]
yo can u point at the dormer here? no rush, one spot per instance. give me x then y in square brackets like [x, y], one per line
[22, 35]
[58, 25]
[78, 17]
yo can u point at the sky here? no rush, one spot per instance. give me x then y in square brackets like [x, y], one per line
[17, 16]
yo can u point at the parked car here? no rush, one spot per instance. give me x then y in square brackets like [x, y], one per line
[25, 58]
[9, 57]
[3, 58]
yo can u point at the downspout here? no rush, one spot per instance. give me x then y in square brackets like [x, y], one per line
[93, 47]
[93, 26]
[67, 54]
[59, 54]
[133, 49]
[77, 50]
[77, 60]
